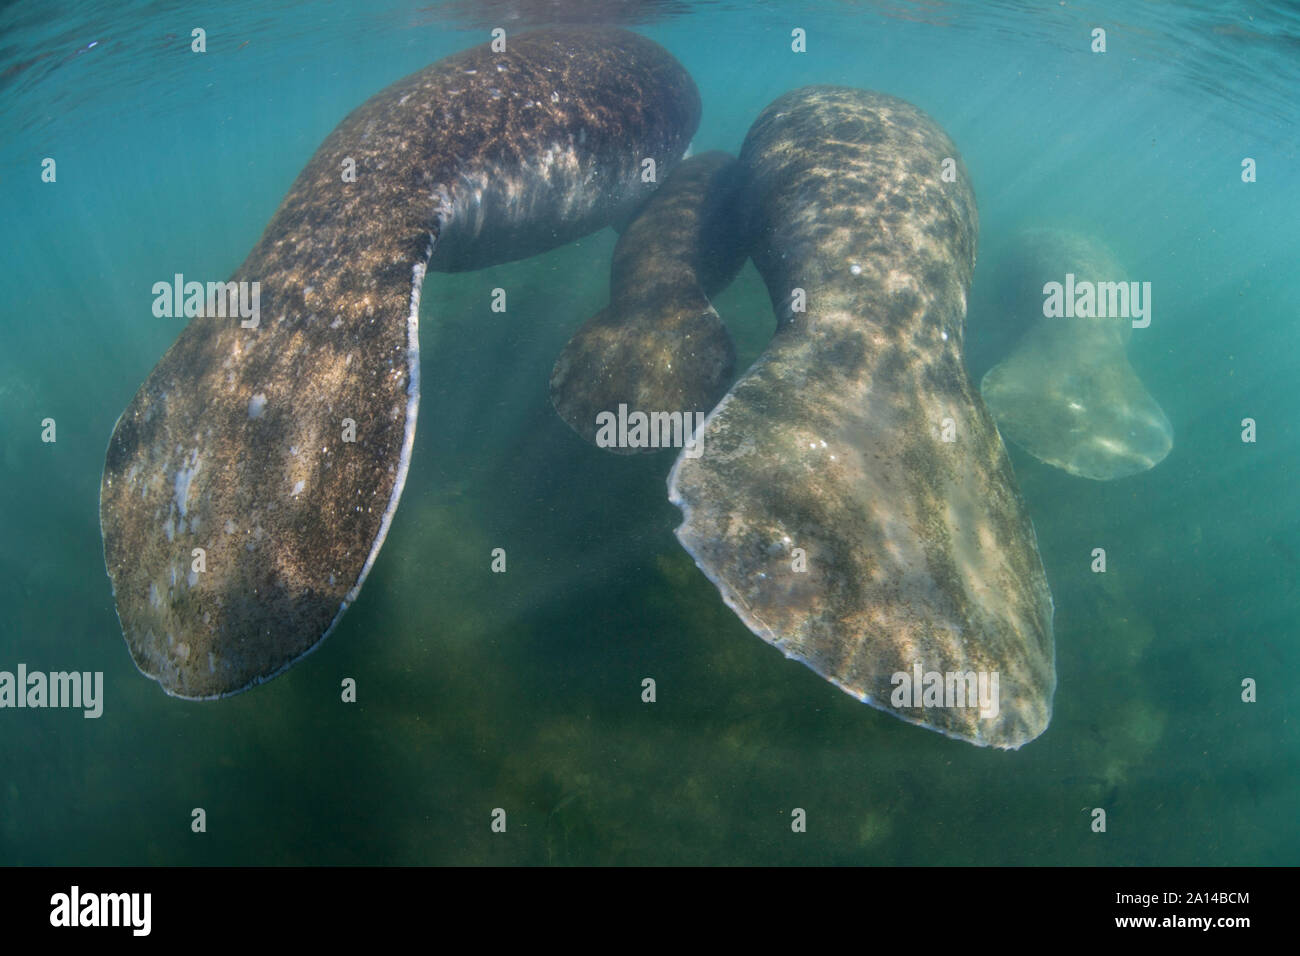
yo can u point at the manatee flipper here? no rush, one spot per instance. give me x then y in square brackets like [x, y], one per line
[660, 346]
[918, 551]
[1067, 393]
[239, 521]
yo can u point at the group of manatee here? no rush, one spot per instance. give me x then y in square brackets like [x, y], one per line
[856, 448]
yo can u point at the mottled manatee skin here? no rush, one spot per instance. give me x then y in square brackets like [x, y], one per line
[918, 550]
[480, 158]
[1066, 392]
[660, 346]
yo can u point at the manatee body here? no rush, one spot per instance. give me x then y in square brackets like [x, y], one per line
[236, 442]
[854, 503]
[660, 346]
[1066, 392]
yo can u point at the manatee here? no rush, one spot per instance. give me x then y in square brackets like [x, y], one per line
[827, 505]
[1066, 393]
[660, 346]
[236, 443]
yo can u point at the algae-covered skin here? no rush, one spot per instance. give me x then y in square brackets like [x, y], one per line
[1066, 393]
[660, 346]
[854, 503]
[239, 519]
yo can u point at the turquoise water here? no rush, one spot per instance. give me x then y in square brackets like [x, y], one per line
[522, 691]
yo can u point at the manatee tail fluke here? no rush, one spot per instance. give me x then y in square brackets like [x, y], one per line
[1076, 403]
[1067, 393]
[660, 346]
[250, 483]
[676, 357]
[853, 501]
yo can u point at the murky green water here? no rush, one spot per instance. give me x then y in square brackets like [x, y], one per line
[522, 690]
